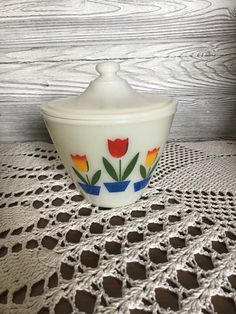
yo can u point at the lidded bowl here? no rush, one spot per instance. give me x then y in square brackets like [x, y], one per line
[110, 137]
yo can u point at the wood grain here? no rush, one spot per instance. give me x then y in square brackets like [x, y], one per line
[179, 75]
[98, 21]
[187, 49]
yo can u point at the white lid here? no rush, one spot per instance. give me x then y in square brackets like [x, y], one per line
[109, 97]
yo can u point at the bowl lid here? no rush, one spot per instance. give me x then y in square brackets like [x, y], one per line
[109, 97]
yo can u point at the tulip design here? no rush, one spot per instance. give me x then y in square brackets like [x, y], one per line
[118, 148]
[80, 162]
[146, 171]
[149, 161]
[81, 165]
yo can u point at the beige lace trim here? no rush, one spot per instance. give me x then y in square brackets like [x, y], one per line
[173, 251]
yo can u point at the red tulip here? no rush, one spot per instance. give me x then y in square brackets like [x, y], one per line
[118, 147]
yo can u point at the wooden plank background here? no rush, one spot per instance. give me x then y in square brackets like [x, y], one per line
[182, 48]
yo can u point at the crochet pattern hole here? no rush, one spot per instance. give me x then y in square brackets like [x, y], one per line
[37, 288]
[17, 248]
[138, 213]
[157, 206]
[112, 286]
[96, 228]
[89, 259]
[177, 242]
[49, 242]
[63, 306]
[157, 256]
[223, 304]
[37, 204]
[134, 237]
[67, 271]
[43, 310]
[77, 198]
[63, 217]
[4, 234]
[113, 247]
[19, 295]
[53, 281]
[85, 211]
[57, 202]
[85, 301]
[167, 299]
[17, 231]
[136, 270]
[58, 177]
[207, 221]
[204, 261]
[73, 236]
[194, 231]
[3, 251]
[117, 221]
[72, 186]
[138, 311]
[42, 223]
[219, 247]
[155, 227]
[3, 297]
[232, 280]
[230, 235]
[173, 218]
[32, 244]
[56, 188]
[173, 201]
[187, 279]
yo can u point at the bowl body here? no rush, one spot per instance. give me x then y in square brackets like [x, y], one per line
[110, 163]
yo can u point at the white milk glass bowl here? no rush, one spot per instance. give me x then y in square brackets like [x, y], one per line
[110, 137]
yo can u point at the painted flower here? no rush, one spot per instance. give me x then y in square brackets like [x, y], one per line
[80, 162]
[118, 147]
[151, 156]
[81, 165]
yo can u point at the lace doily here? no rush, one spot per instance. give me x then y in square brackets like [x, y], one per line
[174, 251]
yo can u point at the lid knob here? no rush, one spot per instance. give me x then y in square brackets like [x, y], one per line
[107, 68]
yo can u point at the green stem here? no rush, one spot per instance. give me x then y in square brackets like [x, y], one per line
[88, 179]
[119, 169]
[149, 171]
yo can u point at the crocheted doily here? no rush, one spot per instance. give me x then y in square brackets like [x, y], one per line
[174, 251]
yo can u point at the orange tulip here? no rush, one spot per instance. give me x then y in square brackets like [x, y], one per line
[80, 162]
[151, 156]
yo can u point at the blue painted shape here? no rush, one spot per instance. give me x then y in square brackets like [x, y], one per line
[90, 189]
[139, 185]
[119, 186]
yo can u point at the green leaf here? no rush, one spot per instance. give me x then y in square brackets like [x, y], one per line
[143, 171]
[130, 167]
[109, 168]
[153, 168]
[80, 176]
[96, 177]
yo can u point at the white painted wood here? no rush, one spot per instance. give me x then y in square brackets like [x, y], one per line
[193, 50]
[187, 49]
[189, 74]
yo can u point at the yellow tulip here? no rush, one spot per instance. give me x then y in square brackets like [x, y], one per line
[80, 162]
[151, 156]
